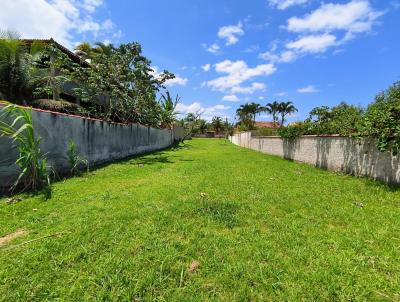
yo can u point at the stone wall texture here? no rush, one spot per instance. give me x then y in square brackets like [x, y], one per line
[358, 157]
[97, 141]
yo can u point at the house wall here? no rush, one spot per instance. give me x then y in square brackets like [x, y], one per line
[97, 141]
[353, 156]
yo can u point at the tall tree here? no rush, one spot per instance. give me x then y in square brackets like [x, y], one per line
[127, 79]
[273, 109]
[247, 113]
[285, 109]
[217, 124]
[15, 66]
[254, 109]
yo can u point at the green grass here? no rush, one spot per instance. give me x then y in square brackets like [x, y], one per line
[262, 229]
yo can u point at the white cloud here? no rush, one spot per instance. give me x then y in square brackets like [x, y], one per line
[206, 112]
[355, 16]
[330, 25]
[214, 48]
[308, 89]
[237, 73]
[230, 33]
[283, 93]
[284, 4]
[249, 89]
[312, 43]
[206, 67]
[177, 81]
[284, 57]
[58, 19]
[91, 5]
[252, 48]
[230, 98]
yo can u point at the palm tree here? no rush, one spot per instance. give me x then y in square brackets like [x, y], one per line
[273, 109]
[243, 112]
[168, 106]
[217, 123]
[254, 110]
[102, 48]
[202, 126]
[286, 108]
[15, 66]
[247, 113]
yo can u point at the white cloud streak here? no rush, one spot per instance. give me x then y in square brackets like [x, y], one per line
[237, 72]
[231, 98]
[355, 16]
[312, 43]
[206, 112]
[308, 89]
[284, 4]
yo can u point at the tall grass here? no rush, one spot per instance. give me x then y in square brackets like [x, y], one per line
[75, 161]
[34, 173]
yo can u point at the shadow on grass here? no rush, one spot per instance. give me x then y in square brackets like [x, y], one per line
[224, 213]
[145, 158]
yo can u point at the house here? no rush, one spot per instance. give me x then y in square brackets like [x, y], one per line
[67, 89]
[74, 57]
[269, 125]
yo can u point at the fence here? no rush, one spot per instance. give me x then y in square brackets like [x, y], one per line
[96, 140]
[353, 156]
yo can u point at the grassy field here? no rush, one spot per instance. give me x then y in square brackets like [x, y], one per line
[207, 221]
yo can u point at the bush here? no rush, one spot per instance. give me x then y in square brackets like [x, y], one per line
[75, 161]
[382, 119]
[342, 119]
[294, 131]
[58, 106]
[32, 162]
[265, 132]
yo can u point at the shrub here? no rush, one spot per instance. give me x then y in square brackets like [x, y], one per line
[382, 119]
[294, 131]
[265, 132]
[32, 162]
[57, 106]
[75, 161]
[342, 119]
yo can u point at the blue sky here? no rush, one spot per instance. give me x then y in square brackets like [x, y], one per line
[226, 53]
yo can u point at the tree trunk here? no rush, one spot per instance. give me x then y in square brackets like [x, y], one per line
[54, 88]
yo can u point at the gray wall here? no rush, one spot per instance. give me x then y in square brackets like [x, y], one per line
[97, 141]
[354, 156]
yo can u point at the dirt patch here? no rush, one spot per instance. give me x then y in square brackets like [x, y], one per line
[193, 266]
[7, 238]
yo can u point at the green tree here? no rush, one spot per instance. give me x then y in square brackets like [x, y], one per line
[15, 66]
[217, 124]
[382, 119]
[285, 109]
[168, 113]
[126, 78]
[273, 109]
[34, 173]
[48, 76]
[342, 119]
[247, 114]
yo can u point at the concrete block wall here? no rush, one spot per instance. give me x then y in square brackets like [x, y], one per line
[97, 141]
[353, 156]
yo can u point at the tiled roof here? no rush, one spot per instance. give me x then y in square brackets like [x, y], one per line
[266, 124]
[70, 54]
